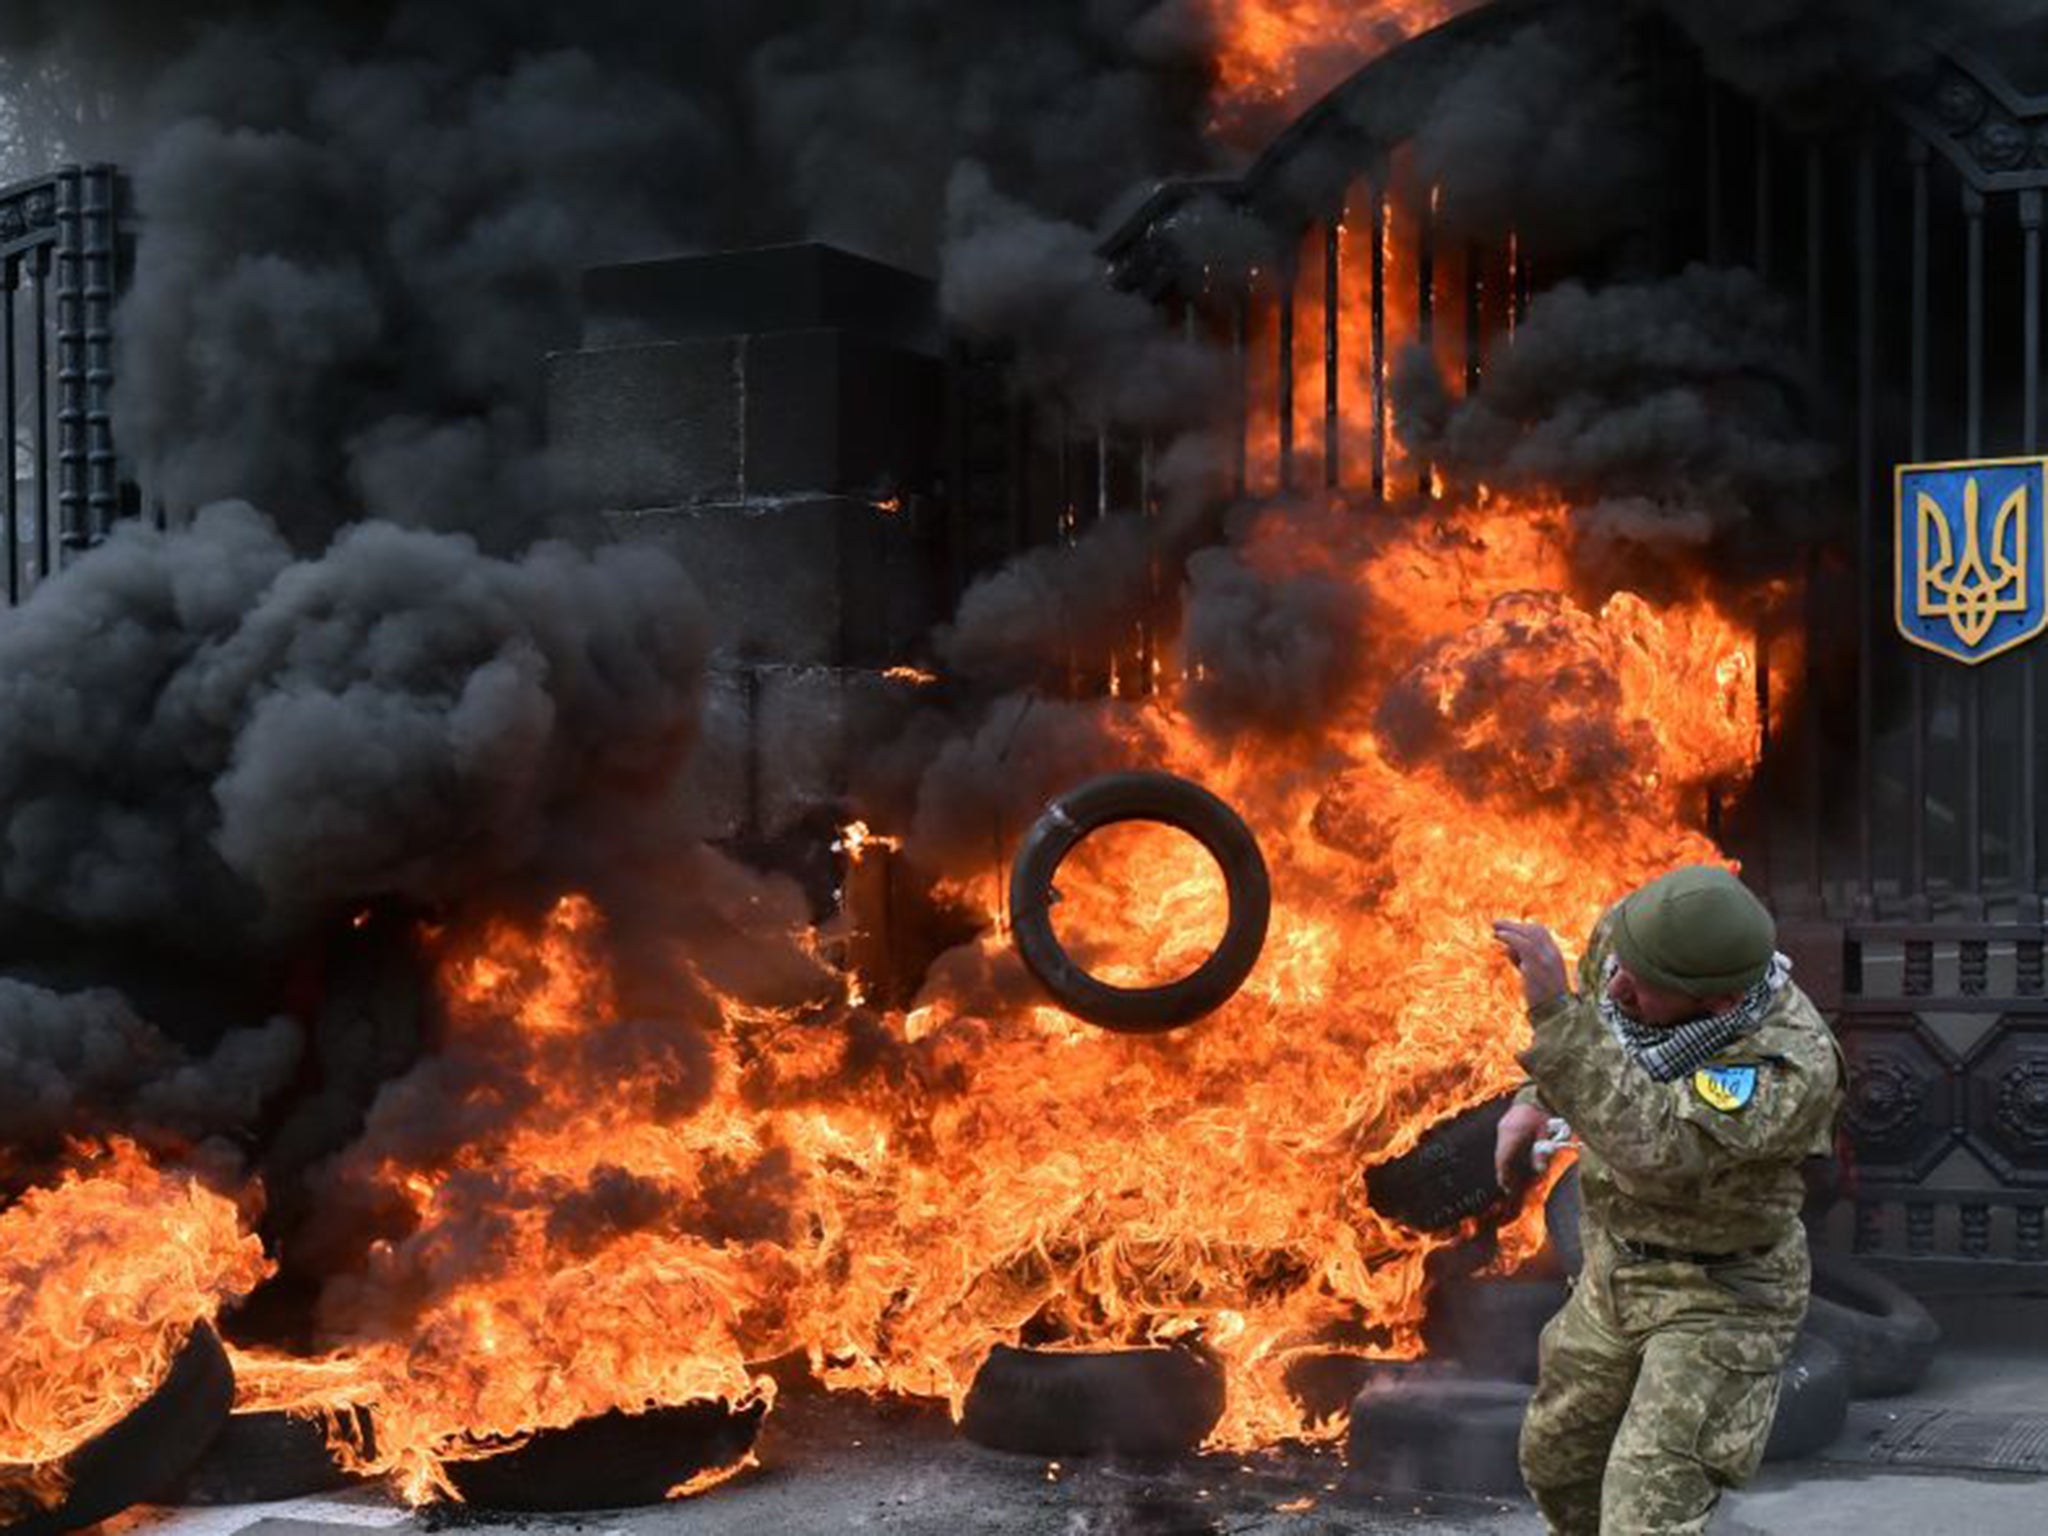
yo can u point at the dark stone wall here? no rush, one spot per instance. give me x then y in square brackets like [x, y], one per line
[775, 418]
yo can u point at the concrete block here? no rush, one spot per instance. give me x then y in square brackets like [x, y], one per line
[711, 794]
[818, 582]
[648, 426]
[810, 724]
[803, 286]
[830, 410]
[778, 745]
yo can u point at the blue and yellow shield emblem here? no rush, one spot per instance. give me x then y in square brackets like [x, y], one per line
[1726, 1088]
[1972, 555]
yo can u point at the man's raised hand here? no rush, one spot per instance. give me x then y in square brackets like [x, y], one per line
[1536, 956]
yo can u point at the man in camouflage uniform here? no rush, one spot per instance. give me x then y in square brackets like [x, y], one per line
[1697, 1078]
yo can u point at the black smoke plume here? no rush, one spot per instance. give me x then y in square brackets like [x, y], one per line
[1675, 416]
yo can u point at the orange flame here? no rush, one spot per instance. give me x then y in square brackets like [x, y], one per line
[102, 1278]
[1275, 57]
[1506, 752]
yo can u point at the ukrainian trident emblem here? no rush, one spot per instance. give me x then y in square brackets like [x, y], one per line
[1972, 545]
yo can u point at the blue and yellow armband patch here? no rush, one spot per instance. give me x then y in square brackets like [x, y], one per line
[1726, 1088]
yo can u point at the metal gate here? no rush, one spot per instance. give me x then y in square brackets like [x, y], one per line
[63, 260]
[1894, 824]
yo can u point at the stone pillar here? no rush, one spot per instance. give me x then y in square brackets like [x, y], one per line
[774, 417]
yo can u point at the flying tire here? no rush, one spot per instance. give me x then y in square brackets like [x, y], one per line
[1143, 795]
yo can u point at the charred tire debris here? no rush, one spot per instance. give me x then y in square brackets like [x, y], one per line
[612, 1460]
[1439, 1434]
[144, 1453]
[1140, 795]
[264, 1456]
[1490, 1323]
[1153, 1401]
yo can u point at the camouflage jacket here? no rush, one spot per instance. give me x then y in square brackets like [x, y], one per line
[1710, 1162]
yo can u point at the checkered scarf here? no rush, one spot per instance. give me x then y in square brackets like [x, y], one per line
[1669, 1054]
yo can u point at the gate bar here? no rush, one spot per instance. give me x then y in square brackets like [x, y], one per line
[1288, 275]
[1425, 300]
[1973, 685]
[97, 249]
[2030, 222]
[70, 365]
[1240, 351]
[10, 281]
[1762, 259]
[1379, 334]
[1916, 882]
[1714, 215]
[1816, 873]
[1816, 196]
[1866, 500]
[42, 275]
[1333, 422]
[1475, 296]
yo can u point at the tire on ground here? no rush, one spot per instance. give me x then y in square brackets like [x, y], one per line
[610, 1461]
[1886, 1337]
[1140, 796]
[1446, 1176]
[1491, 1324]
[1158, 1401]
[259, 1458]
[134, 1459]
[1447, 1434]
[1813, 1400]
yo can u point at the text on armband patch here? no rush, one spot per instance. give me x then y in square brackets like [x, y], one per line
[1725, 1088]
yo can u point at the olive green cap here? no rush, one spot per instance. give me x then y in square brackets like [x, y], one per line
[1697, 930]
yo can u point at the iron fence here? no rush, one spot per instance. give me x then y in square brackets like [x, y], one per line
[63, 254]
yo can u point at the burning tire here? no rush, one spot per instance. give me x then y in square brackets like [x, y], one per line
[260, 1457]
[1175, 802]
[612, 1461]
[1886, 1337]
[146, 1452]
[1444, 1434]
[1130, 1402]
[1447, 1176]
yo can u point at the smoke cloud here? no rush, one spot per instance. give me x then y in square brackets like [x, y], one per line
[366, 222]
[1267, 652]
[84, 1064]
[1814, 58]
[1547, 133]
[1672, 414]
[212, 742]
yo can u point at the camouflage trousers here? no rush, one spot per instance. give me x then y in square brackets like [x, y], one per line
[1659, 1380]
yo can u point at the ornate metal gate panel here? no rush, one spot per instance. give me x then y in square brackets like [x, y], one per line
[1946, 1030]
[62, 264]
